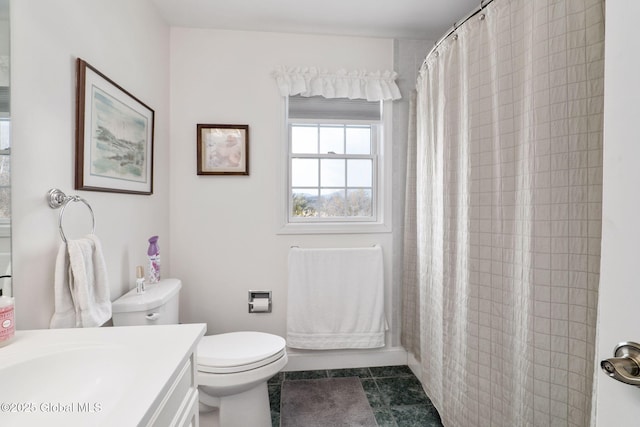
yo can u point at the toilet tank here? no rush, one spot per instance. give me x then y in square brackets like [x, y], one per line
[158, 305]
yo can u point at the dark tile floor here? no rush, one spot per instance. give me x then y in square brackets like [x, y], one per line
[395, 394]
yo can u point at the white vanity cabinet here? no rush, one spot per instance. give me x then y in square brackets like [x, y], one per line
[179, 405]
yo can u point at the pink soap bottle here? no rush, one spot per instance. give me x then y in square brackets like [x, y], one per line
[7, 319]
[154, 260]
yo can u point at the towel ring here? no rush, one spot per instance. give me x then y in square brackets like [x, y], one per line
[58, 199]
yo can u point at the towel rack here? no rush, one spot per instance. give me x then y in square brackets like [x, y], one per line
[57, 198]
[296, 246]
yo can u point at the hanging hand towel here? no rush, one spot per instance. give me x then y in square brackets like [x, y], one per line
[81, 286]
[335, 298]
[65, 311]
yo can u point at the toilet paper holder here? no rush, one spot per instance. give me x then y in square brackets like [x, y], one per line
[259, 301]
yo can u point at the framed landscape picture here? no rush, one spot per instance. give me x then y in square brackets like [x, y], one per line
[223, 149]
[114, 136]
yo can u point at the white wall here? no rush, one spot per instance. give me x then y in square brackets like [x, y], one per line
[127, 41]
[223, 228]
[619, 404]
[218, 234]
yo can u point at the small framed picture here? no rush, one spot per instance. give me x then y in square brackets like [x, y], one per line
[114, 136]
[223, 149]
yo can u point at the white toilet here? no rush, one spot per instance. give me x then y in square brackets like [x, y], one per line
[233, 368]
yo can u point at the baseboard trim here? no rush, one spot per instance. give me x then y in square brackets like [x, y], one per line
[309, 360]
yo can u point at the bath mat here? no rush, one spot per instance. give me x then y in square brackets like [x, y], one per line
[327, 402]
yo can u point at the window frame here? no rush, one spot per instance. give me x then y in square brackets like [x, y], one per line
[375, 131]
[380, 221]
[5, 223]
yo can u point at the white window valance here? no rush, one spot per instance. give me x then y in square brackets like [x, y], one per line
[372, 86]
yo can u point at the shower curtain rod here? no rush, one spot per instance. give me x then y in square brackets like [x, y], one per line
[456, 25]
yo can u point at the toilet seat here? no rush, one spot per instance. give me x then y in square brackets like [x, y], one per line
[238, 351]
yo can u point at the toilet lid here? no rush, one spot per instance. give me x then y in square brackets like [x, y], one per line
[238, 351]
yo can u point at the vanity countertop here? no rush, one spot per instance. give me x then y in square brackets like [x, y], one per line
[94, 376]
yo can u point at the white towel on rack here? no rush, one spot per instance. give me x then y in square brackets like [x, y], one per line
[336, 298]
[81, 286]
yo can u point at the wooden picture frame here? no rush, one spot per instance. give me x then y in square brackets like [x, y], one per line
[223, 149]
[114, 136]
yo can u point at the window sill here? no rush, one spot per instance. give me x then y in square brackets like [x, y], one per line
[335, 228]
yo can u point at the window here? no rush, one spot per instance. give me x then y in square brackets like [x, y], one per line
[5, 171]
[334, 163]
[332, 171]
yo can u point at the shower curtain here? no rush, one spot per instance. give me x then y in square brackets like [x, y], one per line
[506, 251]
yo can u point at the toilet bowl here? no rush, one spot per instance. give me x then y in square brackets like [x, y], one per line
[232, 368]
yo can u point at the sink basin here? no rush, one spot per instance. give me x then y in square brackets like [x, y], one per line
[111, 376]
[75, 380]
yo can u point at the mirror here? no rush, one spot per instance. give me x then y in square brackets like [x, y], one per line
[5, 154]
